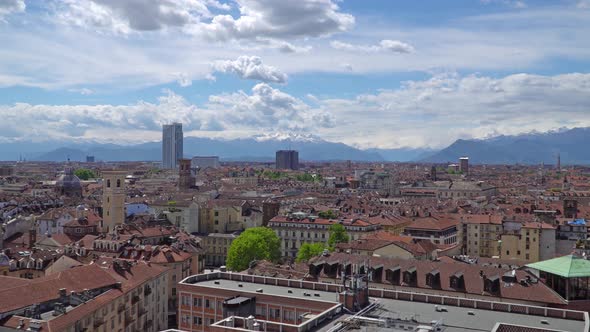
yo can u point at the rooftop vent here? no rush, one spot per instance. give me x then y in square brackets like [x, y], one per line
[240, 285]
[306, 294]
[471, 313]
[259, 290]
[290, 291]
[216, 282]
[316, 294]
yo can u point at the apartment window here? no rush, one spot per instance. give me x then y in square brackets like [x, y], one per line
[275, 313]
[197, 320]
[260, 311]
[207, 303]
[217, 213]
[518, 252]
[527, 256]
[197, 302]
[507, 252]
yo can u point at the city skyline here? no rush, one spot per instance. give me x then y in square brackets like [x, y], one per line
[465, 69]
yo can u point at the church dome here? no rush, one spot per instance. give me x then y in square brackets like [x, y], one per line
[69, 184]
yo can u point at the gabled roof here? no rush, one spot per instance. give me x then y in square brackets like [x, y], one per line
[569, 266]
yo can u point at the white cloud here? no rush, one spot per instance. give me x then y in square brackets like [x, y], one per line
[82, 91]
[437, 111]
[268, 108]
[10, 7]
[251, 67]
[278, 20]
[233, 115]
[184, 80]
[133, 15]
[394, 46]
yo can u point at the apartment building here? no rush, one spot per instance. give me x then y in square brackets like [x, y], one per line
[299, 228]
[227, 216]
[110, 295]
[507, 238]
[216, 247]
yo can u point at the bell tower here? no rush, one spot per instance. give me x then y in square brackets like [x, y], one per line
[185, 178]
[113, 200]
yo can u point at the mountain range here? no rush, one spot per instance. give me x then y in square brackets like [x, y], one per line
[532, 148]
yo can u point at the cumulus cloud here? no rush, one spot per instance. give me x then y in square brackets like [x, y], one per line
[271, 108]
[394, 46]
[250, 67]
[11, 6]
[265, 109]
[439, 110]
[279, 20]
[134, 15]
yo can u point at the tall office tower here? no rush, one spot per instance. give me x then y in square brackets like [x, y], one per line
[559, 162]
[113, 199]
[464, 165]
[185, 178]
[171, 145]
[287, 159]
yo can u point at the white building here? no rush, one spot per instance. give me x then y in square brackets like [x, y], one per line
[172, 148]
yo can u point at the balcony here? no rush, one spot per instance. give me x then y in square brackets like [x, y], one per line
[129, 319]
[141, 311]
[149, 323]
[121, 308]
[147, 291]
[98, 321]
[135, 299]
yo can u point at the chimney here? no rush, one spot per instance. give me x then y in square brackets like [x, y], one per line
[62, 292]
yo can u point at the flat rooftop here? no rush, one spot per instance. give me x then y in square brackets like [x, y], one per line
[249, 287]
[457, 319]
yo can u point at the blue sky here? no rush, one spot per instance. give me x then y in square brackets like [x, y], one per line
[381, 74]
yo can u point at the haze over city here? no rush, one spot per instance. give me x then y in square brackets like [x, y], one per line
[294, 166]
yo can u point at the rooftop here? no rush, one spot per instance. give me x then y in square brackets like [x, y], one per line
[569, 266]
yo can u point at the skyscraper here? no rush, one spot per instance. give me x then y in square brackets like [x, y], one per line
[464, 165]
[287, 159]
[171, 145]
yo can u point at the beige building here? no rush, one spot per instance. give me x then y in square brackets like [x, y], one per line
[217, 246]
[228, 216]
[497, 236]
[113, 200]
[299, 228]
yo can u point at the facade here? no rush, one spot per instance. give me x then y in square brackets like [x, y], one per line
[464, 165]
[299, 228]
[216, 246]
[185, 178]
[113, 199]
[497, 236]
[111, 295]
[287, 159]
[203, 162]
[172, 145]
[438, 230]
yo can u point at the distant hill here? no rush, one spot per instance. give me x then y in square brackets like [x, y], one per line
[534, 148]
[251, 149]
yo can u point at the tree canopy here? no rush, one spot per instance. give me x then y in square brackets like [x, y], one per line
[84, 173]
[329, 214]
[309, 250]
[257, 243]
[337, 235]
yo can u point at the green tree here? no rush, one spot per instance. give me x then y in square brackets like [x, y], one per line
[337, 235]
[309, 250]
[257, 243]
[330, 214]
[84, 173]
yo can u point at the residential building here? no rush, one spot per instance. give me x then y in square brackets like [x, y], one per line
[298, 228]
[287, 159]
[110, 295]
[216, 247]
[437, 229]
[172, 145]
[464, 165]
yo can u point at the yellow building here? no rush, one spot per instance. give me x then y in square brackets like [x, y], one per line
[113, 200]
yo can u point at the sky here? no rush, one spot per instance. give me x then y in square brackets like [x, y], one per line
[368, 73]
